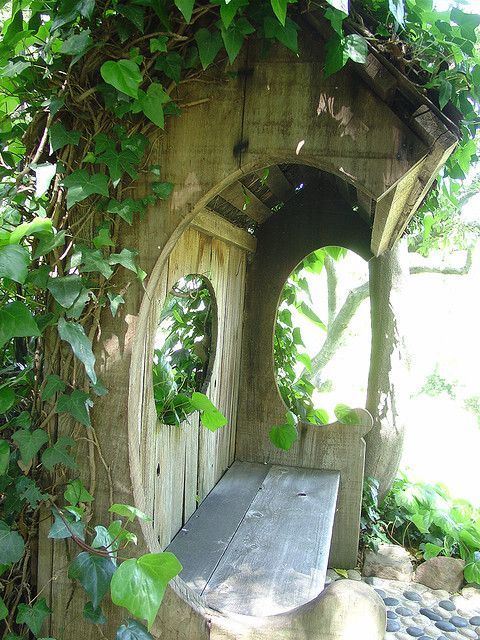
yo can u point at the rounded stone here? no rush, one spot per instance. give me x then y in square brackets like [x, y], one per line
[425, 638]
[391, 602]
[392, 615]
[412, 596]
[475, 621]
[393, 625]
[431, 615]
[415, 632]
[404, 611]
[444, 625]
[381, 593]
[447, 605]
[353, 574]
[468, 633]
[458, 621]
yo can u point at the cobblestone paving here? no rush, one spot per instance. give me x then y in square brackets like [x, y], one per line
[414, 611]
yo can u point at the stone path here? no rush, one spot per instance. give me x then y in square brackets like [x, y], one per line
[416, 612]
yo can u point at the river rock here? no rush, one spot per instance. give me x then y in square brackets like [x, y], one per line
[441, 573]
[390, 561]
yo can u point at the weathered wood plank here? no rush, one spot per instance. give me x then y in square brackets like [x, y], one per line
[245, 201]
[206, 535]
[214, 225]
[277, 559]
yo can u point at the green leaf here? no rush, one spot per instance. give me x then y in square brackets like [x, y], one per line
[7, 399]
[33, 616]
[14, 261]
[186, 8]
[48, 243]
[76, 492]
[27, 490]
[11, 545]
[431, 550]
[341, 5]
[210, 416]
[53, 385]
[336, 19]
[77, 44]
[280, 10]
[60, 137]
[65, 289]
[171, 64]
[283, 436]
[115, 302]
[76, 404]
[94, 615]
[309, 313]
[139, 585]
[92, 260]
[29, 442]
[60, 531]
[4, 457]
[152, 103]
[162, 189]
[472, 572]
[58, 454]
[126, 258]
[345, 414]
[74, 334]
[445, 93]
[126, 208]
[287, 34]
[4, 611]
[16, 321]
[209, 44]
[70, 10]
[80, 184]
[158, 44]
[356, 48]
[228, 10]
[126, 511]
[133, 630]
[124, 75]
[94, 574]
[119, 162]
[234, 36]
[37, 227]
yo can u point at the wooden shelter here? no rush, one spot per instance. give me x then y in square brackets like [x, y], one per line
[350, 159]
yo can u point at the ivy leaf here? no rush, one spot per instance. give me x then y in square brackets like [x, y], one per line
[129, 512]
[284, 435]
[118, 163]
[60, 137]
[53, 384]
[91, 260]
[210, 416]
[397, 7]
[234, 36]
[158, 44]
[445, 93]
[94, 615]
[356, 48]
[14, 261]
[228, 10]
[287, 34]
[124, 75]
[309, 313]
[139, 584]
[33, 616]
[133, 13]
[133, 630]
[162, 189]
[152, 103]
[16, 321]
[4, 457]
[7, 399]
[77, 44]
[94, 574]
[50, 242]
[126, 258]
[76, 492]
[80, 184]
[70, 11]
[27, 490]
[76, 404]
[4, 611]
[60, 531]
[345, 414]
[209, 44]
[58, 454]
[336, 19]
[37, 227]
[115, 302]
[126, 208]
[65, 289]
[11, 545]
[186, 8]
[74, 334]
[29, 442]
[280, 10]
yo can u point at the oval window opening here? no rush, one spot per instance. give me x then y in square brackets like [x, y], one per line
[183, 348]
[322, 336]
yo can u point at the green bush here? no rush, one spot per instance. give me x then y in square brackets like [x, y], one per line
[425, 520]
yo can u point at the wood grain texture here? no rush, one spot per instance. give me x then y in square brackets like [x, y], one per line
[277, 559]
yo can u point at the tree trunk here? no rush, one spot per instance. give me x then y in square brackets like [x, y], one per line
[387, 376]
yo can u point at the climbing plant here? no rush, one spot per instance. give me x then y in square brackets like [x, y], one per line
[84, 86]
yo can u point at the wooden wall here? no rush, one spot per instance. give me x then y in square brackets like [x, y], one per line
[180, 465]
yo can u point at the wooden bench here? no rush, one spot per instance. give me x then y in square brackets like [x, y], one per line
[259, 543]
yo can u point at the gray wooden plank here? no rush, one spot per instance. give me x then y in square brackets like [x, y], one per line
[278, 558]
[199, 545]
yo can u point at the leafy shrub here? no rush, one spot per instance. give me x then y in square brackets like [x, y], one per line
[424, 519]
[435, 385]
[472, 404]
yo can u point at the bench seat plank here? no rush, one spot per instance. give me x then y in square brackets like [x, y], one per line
[278, 557]
[200, 544]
